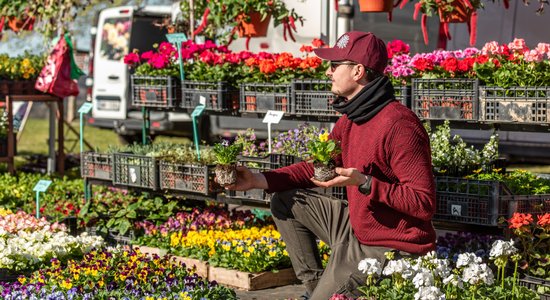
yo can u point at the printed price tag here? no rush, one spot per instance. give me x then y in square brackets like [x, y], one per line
[198, 110]
[176, 38]
[273, 116]
[85, 108]
[42, 185]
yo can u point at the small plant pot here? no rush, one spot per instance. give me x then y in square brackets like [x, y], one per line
[226, 174]
[324, 172]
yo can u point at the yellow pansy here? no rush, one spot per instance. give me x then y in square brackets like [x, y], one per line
[323, 137]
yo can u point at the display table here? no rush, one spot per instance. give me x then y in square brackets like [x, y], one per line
[59, 158]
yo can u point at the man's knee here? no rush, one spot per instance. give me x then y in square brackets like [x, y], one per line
[282, 202]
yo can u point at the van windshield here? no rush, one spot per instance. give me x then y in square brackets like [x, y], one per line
[115, 37]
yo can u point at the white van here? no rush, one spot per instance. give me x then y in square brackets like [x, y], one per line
[120, 30]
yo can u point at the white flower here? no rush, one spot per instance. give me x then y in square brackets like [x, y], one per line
[465, 259]
[502, 248]
[476, 273]
[370, 266]
[429, 293]
[454, 280]
[423, 278]
[401, 266]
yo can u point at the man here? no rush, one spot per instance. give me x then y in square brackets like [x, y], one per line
[385, 166]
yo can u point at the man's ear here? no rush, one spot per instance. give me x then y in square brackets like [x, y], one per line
[359, 72]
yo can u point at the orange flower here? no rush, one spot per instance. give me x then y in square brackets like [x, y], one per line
[306, 49]
[252, 61]
[267, 67]
[518, 220]
[544, 220]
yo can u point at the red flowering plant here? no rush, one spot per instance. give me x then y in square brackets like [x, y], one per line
[533, 239]
[513, 64]
[283, 67]
[162, 62]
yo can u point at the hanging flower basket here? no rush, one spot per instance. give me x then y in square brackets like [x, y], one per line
[18, 24]
[460, 14]
[256, 27]
[375, 5]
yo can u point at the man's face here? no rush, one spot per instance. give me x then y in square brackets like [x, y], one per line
[342, 75]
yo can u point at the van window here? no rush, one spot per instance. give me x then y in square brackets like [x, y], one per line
[115, 36]
[146, 33]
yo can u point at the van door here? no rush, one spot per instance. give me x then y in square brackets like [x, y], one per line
[111, 84]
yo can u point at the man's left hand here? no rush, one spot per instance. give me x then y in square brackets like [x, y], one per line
[346, 176]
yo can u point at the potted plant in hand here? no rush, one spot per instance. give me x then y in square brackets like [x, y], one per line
[226, 162]
[322, 152]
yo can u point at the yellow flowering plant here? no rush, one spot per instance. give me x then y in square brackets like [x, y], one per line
[323, 149]
[24, 67]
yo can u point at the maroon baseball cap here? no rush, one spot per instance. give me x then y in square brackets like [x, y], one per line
[360, 47]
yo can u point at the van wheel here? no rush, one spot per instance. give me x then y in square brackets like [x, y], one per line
[129, 139]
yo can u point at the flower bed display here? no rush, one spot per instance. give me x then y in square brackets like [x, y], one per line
[430, 277]
[28, 243]
[115, 275]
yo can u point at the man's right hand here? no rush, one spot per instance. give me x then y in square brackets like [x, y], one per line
[247, 180]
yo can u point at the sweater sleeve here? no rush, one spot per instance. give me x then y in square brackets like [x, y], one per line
[408, 151]
[294, 176]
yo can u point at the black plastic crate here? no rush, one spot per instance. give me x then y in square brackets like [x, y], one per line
[313, 97]
[218, 96]
[135, 170]
[260, 164]
[482, 202]
[445, 99]
[403, 94]
[515, 104]
[96, 165]
[188, 178]
[539, 285]
[156, 91]
[261, 97]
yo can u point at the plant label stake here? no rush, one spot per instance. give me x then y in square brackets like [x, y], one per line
[177, 39]
[41, 186]
[197, 112]
[84, 109]
[272, 117]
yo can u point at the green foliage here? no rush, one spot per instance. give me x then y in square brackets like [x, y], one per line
[516, 73]
[323, 149]
[227, 153]
[26, 66]
[520, 182]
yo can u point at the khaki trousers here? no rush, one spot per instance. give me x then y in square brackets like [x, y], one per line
[301, 216]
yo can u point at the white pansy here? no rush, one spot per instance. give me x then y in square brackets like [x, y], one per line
[429, 293]
[467, 258]
[477, 273]
[502, 248]
[424, 277]
[370, 266]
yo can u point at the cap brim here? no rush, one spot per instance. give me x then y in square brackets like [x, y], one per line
[329, 54]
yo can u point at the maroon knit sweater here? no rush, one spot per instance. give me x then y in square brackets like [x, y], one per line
[394, 148]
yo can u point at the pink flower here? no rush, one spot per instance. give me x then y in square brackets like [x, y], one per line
[147, 55]
[533, 56]
[490, 48]
[158, 61]
[166, 49]
[397, 47]
[543, 48]
[518, 45]
[131, 59]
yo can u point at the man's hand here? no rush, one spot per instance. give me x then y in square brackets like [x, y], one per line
[247, 180]
[349, 176]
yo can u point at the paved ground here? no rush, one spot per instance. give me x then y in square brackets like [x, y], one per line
[278, 293]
